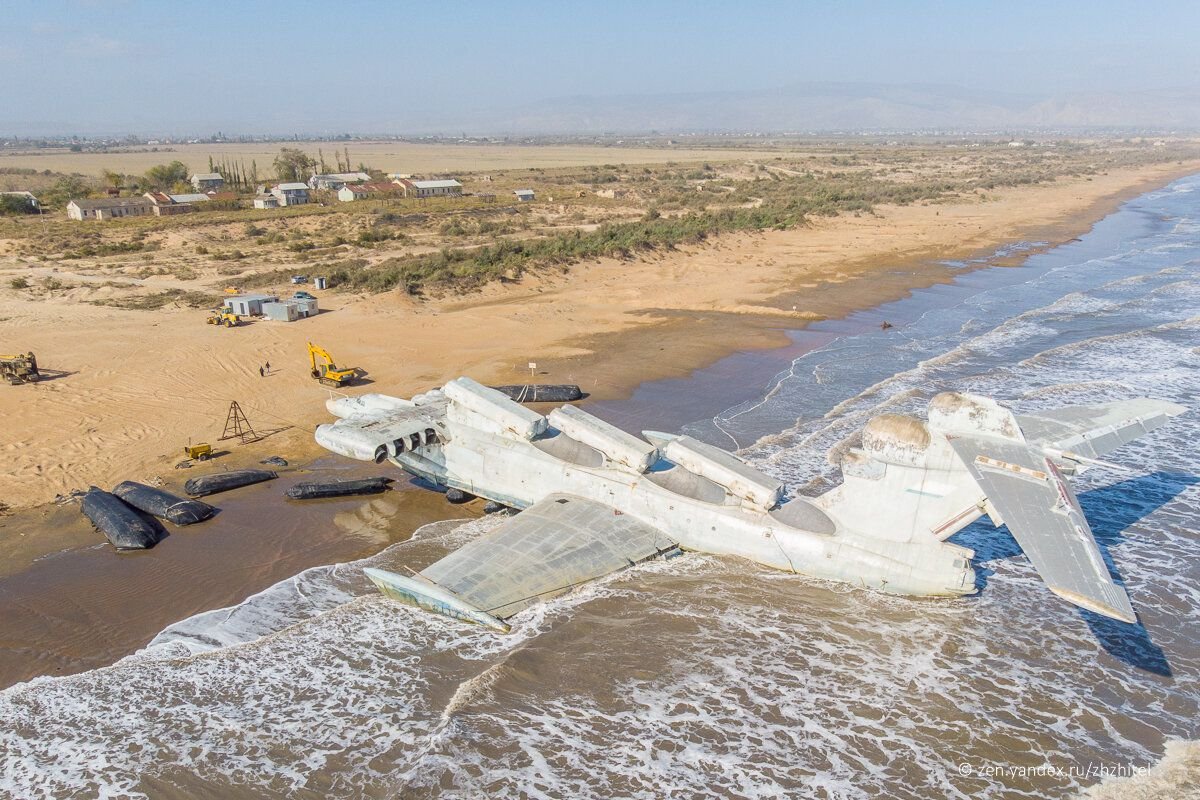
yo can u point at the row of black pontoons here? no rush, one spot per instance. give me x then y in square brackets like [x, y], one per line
[128, 515]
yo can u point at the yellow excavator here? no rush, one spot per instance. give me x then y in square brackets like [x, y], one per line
[20, 368]
[224, 316]
[324, 370]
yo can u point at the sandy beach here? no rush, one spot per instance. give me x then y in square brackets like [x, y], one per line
[133, 387]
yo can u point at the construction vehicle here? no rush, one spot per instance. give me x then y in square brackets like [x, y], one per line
[224, 316]
[324, 370]
[198, 452]
[18, 369]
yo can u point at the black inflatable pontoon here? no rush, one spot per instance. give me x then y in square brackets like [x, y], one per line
[224, 481]
[120, 523]
[542, 392]
[163, 504]
[312, 491]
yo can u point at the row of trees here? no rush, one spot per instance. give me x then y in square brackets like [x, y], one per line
[235, 173]
[293, 164]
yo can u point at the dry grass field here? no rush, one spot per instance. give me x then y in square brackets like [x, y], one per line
[385, 156]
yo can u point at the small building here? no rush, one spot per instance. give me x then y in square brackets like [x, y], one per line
[195, 197]
[524, 195]
[612, 194]
[336, 180]
[249, 305]
[423, 189]
[289, 310]
[165, 206]
[281, 312]
[364, 191]
[266, 201]
[306, 306]
[109, 208]
[291, 194]
[203, 181]
[27, 197]
[351, 192]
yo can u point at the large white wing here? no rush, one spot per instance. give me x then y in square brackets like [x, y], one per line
[546, 550]
[1026, 491]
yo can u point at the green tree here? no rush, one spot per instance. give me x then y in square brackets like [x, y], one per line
[293, 164]
[64, 189]
[166, 176]
[13, 204]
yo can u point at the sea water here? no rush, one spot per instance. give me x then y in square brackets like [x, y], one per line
[713, 677]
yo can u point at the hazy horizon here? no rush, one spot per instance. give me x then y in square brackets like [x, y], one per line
[127, 66]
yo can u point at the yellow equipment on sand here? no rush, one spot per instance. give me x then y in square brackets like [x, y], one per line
[323, 369]
[18, 369]
[224, 316]
[198, 452]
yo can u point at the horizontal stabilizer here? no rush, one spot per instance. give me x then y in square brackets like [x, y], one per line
[1092, 431]
[1026, 491]
[546, 550]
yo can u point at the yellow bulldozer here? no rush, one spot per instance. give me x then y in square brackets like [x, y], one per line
[18, 369]
[223, 316]
[324, 370]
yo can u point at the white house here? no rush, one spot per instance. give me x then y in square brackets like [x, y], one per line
[109, 208]
[439, 188]
[266, 201]
[336, 180]
[291, 194]
[524, 195]
[351, 192]
[203, 181]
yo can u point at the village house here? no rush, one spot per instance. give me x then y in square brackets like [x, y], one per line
[203, 181]
[164, 205]
[363, 191]
[290, 194]
[266, 201]
[524, 195]
[336, 180]
[192, 197]
[423, 189]
[109, 208]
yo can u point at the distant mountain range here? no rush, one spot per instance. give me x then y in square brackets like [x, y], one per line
[797, 108]
[825, 107]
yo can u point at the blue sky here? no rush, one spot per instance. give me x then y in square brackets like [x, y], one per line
[253, 66]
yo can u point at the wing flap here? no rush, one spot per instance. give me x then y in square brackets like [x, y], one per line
[1041, 511]
[546, 550]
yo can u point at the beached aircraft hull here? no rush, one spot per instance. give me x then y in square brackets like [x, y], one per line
[597, 499]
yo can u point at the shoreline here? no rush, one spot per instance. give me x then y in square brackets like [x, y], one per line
[607, 325]
[49, 555]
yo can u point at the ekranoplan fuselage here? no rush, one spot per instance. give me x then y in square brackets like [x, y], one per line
[910, 486]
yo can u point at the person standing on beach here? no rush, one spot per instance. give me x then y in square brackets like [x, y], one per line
[260, 372]
[268, 366]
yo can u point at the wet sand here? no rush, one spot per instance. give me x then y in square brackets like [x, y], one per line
[69, 602]
[85, 605]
